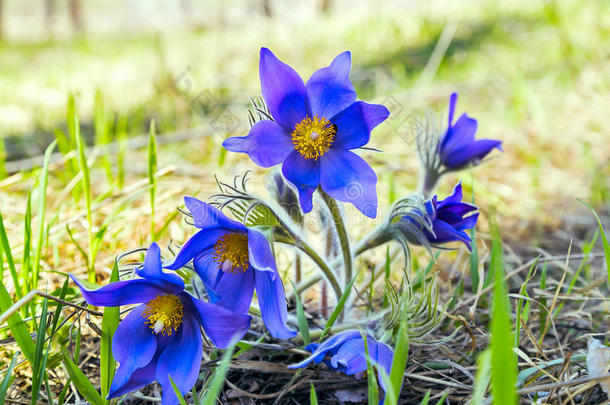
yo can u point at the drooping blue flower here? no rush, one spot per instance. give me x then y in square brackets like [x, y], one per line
[449, 219]
[161, 337]
[344, 352]
[458, 148]
[232, 260]
[315, 127]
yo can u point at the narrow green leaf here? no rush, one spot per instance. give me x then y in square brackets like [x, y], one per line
[110, 322]
[177, 391]
[503, 365]
[604, 243]
[425, 399]
[218, 378]
[474, 262]
[86, 184]
[313, 397]
[27, 244]
[102, 133]
[42, 206]
[80, 380]
[152, 169]
[371, 375]
[38, 368]
[5, 249]
[302, 320]
[3, 172]
[399, 364]
[8, 378]
[17, 326]
[388, 262]
[482, 378]
[339, 308]
[123, 143]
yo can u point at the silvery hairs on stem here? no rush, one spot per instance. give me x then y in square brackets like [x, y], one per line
[428, 133]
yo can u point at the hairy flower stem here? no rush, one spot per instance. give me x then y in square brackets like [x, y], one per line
[342, 234]
[377, 237]
[428, 182]
[294, 240]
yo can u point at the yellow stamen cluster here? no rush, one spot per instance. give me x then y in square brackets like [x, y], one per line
[313, 137]
[231, 253]
[164, 314]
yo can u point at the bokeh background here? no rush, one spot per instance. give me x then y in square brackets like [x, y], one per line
[535, 74]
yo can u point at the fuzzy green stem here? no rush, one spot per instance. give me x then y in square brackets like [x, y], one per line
[335, 212]
[428, 183]
[377, 237]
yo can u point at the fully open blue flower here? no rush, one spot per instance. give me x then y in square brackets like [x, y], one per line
[161, 337]
[449, 219]
[345, 352]
[316, 125]
[458, 148]
[232, 261]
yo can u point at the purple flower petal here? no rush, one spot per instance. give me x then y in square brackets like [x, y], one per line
[346, 177]
[283, 90]
[126, 292]
[208, 271]
[220, 325]
[208, 216]
[152, 269]
[133, 345]
[351, 355]
[259, 250]
[473, 153]
[452, 102]
[385, 356]
[138, 379]
[198, 243]
[301, 172]
[181, 360]
[462, 133]
[267, 144]
[235, 291]
[355, 123]
[272, 301]
[444, 232]
[331, 345]
[329, 90]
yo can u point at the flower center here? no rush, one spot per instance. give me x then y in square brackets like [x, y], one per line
[231, 253]
[164, 314]
[313, 137]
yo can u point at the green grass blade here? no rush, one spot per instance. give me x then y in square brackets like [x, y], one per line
[373, 389]
[482, 378]
[38, 368]
[313, 397]
[102, 134]
[605, 244]
[302, 320]
[339, 308]
[110, 322]
[5, 249]
[17, 326]
[177, 391]
[86, 184]
[152, 169]
[503, 366]
[7, 380]
[27, 244]
[425, 399]
[123, 143]
[218, 378]
[42, 206]
[3, 172]
[80, 381]
[399, 364]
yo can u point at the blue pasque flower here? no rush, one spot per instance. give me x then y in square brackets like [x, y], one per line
[161, 337]
[316, 126]
[345, 352]
[232, 261]
[449, 219]
[458, 148]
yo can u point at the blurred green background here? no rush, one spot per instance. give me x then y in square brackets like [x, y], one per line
[536, 74]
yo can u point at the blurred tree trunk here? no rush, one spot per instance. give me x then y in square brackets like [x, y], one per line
[1, 19]
[49, 15]
[326, 5]
[267, 8]
[74, 8]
